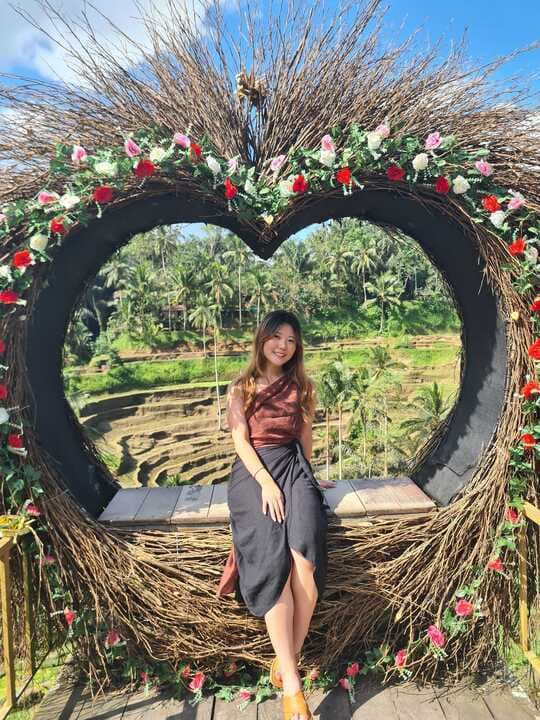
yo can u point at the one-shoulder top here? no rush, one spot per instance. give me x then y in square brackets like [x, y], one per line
[274, 417]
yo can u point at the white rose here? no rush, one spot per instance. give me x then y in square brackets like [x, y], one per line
[374, 140]
[157, 154]
[460, 185]
[285, 187]
[250, 188]
[106, 168]
[420, 162]
[498, 218]
[39, 242]
[69, 200]
[328, 158]
[5, 272]
[531, 254]
[4, 416]
[213, 164]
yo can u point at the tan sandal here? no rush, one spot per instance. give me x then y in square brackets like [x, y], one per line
[274, 675]
[295, 705]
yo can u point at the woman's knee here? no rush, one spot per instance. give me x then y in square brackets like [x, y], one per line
[302, 564]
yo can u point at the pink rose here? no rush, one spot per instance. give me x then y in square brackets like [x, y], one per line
[400, 657]
[277, 162]
[314, 675]
[328, 144]
[112, 638]
[463, 608]
[344, 682]
[49, 559]
[144, 676]
[353, 669]
[186, 671]
[131, 148]
[33, 510]
[70, 615]
[198, 681]
[182, 140]
[46, 198]
[517, 200]
[78, 155]
[437, 637]
[232, 165]
[2, 217]
[383, 130]
[244, 694]
[483, 167]
[433, 140]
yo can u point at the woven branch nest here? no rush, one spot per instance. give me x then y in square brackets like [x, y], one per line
[386, 581]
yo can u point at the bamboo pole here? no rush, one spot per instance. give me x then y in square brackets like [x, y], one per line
[7, 625]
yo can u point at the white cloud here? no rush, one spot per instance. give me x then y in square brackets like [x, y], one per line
[23, 46]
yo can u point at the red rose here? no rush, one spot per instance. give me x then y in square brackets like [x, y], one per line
[400, 657]
[529, 388]
[230, 189]
[490, 203]
[186, 671]
[517, 247]
[344, 176]
[2, 346]
[196, 150]
[528, 441]
[511, 514]
[102, 194]
[535, 305]
[394, 172]
[21, 259]
[14, 440]
[353, 669]
[144, 168]
[495, 564]
[534, 349]
[300, 184]
[3, 392]
[8, 297]
[463, 608]
[57, 226]
[442, 186]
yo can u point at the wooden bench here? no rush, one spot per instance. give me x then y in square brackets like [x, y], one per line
[356, 501]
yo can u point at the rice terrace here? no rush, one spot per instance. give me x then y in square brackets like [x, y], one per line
[173, 177]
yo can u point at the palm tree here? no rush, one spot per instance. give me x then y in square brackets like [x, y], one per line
[202, 316]
[384, 379]
[364, 260]
[340, 381]
[215, 327]
[219, 287]
[326, 397]
[261, 290]
[239, 254]
[181, 280]
[387, 290]
[432, 408]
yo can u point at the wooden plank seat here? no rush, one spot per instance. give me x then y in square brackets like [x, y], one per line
[354, 501]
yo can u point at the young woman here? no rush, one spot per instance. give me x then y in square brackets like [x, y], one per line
[277, 509]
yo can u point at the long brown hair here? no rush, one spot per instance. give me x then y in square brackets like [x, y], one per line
[293, 368]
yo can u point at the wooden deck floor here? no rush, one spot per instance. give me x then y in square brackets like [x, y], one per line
[491, 701]
[356, 500]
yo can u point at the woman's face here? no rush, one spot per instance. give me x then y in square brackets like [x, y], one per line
[280, 348]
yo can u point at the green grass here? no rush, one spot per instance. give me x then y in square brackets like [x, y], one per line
[43, 681]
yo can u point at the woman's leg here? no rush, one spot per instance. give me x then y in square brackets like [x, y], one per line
[279, 622]
[305, 593]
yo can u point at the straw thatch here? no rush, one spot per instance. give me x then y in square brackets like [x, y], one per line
[389, 581]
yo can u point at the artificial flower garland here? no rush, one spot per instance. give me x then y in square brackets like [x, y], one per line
[91, 181]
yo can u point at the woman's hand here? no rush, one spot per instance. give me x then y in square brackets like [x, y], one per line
[272, 498]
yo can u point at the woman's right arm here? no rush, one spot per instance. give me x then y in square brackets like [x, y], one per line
[271, 492]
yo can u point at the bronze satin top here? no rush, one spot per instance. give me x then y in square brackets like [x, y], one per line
[274, 417]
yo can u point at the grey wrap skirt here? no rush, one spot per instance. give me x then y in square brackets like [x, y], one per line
[261, 545]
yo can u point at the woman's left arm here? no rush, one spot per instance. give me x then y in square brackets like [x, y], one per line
[306, 438]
